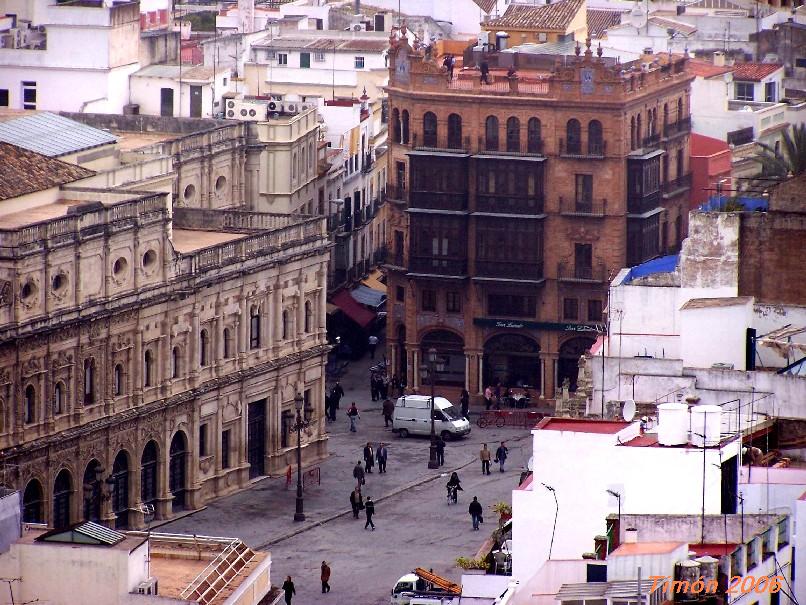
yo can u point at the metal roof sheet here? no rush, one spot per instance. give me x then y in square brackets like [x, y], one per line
[52, 135]
[86, 532]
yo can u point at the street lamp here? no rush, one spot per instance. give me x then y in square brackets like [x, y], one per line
[432, 455]
[300, 424]
[617, 496]
[556, 512]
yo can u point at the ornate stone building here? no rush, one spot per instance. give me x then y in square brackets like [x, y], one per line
[149, 355]
[515, 200]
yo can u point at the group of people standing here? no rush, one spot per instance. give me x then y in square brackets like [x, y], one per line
[357, 503]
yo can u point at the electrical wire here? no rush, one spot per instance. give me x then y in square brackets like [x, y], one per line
[783, 575]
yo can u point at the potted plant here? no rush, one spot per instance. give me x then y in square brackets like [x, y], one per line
[469, 563]
[504, 511]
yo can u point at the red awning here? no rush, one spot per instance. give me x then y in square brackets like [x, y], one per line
[363, 317]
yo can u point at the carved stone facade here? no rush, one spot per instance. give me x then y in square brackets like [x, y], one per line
[154, 360]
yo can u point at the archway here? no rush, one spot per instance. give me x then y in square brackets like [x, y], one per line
[514, 359]
[149, 473]
[92, 491]
[33, 503]
[62, 496]
[451, 353]
[120, 490]
[177, 471]
[568, 363]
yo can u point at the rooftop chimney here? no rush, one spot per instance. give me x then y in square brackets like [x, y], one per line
[719, 59]
[630, 535]
[357, 7]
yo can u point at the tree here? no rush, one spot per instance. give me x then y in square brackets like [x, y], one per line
[788, 161]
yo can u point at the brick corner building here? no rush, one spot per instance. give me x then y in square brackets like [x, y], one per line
[515, 200]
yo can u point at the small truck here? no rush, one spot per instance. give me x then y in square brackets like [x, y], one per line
[422, 587]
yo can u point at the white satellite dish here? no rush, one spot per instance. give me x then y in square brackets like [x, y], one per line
[628, 412]
[530, 464]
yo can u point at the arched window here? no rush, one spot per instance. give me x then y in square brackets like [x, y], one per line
[639, 133]
[533, 136]
[285, 325]
[491, 133]
[58, 398]
[454, 131]
[30, 404]
[573, 135]
[228, 348]
[595, 142]
[149, 473]
[62, 496]
[308, 316]
[405, 126]
[429, 129]
[665, 114]
[632, 133]
[118, 379]
[33, 503]
[396, 132]
[148, 369]
[303, 162]
[204, 348]
[679, 109]
[513, 134]
[175, 360]
[254, 328]
[89, 380]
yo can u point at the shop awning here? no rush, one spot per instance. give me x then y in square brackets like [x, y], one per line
[373, 281]
[363, 317]
[368, 296]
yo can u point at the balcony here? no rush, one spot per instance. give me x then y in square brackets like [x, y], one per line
[499, 204]
[652, 141]
[439, 200]
[379, 257]
[576, 207]
[677, 128]
[509, 270]
[398, 193]
[581, 273]
[677, 186]
[368, 164]
[438, 265]
[595, 151]
[335, 222]
[639, 204]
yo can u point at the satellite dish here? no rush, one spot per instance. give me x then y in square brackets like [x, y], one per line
[530, 464]
[628, 412]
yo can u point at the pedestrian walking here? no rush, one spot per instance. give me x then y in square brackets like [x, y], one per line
[337, 393]
[373, 343]
[395, 382]
[488, 397]
[440, 450]
[464, 400]
[501, 455]
[356, 501]
[388, 410]
[484, 456]
[485, 72]
[384, 386]
[289, 590]
[353, 415]
[369, 457]
[381, 455]
[369, 509]
[325, 577]
[332, 405]
[476, 511]
[358, 473]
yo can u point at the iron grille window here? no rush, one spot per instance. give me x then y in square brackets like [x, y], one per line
[505, 305]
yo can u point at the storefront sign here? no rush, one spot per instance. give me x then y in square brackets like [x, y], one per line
[517, 324]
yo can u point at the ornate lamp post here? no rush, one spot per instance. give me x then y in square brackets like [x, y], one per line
[432, 363]
[300, 424]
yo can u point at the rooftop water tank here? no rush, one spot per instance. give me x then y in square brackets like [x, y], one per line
[687, 571]
[706, 425]
[672, 423]
[709, 568]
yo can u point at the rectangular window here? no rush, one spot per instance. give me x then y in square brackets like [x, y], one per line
[453, 303]
[203, 440]
[770, 95]
[29, 95]
[282, 59]
[225, 449]
[400, 293]
[800, 62]
[307, 404]
[429, 300]
[595, 310]
[584, 189]
[305, 60]
[570, 308]
[4, 97]
[359, 62]
[506, 305]
[583, 261]
[744, 91]
[319, 57]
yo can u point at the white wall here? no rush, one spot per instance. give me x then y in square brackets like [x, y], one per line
[712, 335]
[800, 553]
[465, 15]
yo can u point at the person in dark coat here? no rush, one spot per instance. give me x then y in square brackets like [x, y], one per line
[440, 450]
[475, 512]
[485, 72]
[464, 399]
[325, 577]
[501, 455]
[288, 589]
[337, 393]
[358, 473]
[381, 454]
[369, 509]
[388, 411]
[356, 502]
[369, 457]
[373, 386]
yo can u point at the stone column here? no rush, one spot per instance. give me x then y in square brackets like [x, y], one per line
[481, 375]
[164, 496]
[415, 368]
[136, 518]
[278, 316]
[242, 344]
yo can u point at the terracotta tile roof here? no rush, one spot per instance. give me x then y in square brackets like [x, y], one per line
[683, 28]
[754, 72]
[486, 5]
[599, 21]
[556, 17]
[706, 69]
[23, 172]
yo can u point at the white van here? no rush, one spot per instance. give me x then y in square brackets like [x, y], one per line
[412, 417]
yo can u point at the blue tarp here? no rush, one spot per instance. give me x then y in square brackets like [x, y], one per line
[368, 296]
[717, 202]
[664, 264]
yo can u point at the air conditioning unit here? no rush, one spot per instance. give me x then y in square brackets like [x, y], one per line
[359, 27]
[303, 107]
[147, 587]
[275, 107]
[291, 108]
[246, 111]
